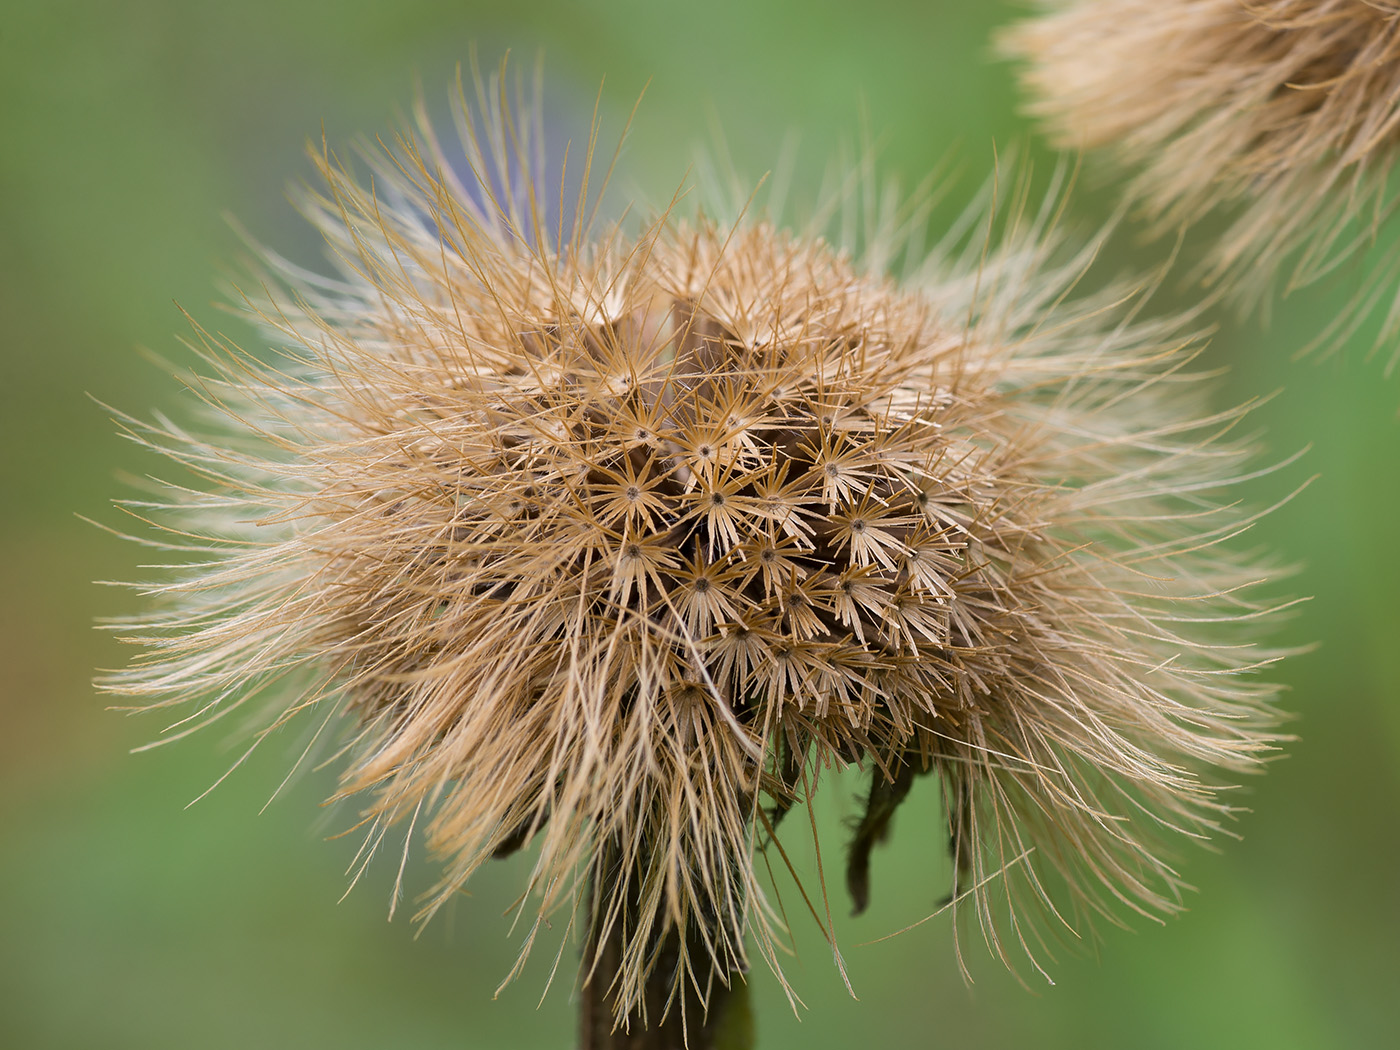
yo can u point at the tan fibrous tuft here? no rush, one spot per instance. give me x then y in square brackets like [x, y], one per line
[1286, 113]
[615, 541]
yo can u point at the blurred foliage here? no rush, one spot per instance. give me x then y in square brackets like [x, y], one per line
[127, 132]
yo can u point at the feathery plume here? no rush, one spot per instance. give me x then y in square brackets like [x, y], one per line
[613, 537]
[1285, 113]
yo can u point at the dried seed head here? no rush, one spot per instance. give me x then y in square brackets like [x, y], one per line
[614, 542]
[1286, 112]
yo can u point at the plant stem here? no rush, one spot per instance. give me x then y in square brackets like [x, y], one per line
[727, 1024]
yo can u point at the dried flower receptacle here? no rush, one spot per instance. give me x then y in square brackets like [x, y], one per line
[1284, 113]
[613, 540]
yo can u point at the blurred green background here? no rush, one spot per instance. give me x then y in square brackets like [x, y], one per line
[129, 129]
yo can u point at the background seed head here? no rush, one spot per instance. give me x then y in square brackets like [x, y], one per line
[1285, 113]
[615, 538]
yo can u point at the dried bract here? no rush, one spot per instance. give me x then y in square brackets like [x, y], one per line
[615, 539]
[1284, 112]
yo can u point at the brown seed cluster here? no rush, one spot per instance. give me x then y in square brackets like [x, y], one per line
[614, 543]
[1285, 113]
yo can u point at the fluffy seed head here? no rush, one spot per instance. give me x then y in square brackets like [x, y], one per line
[1285, 112]
[615, 541]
